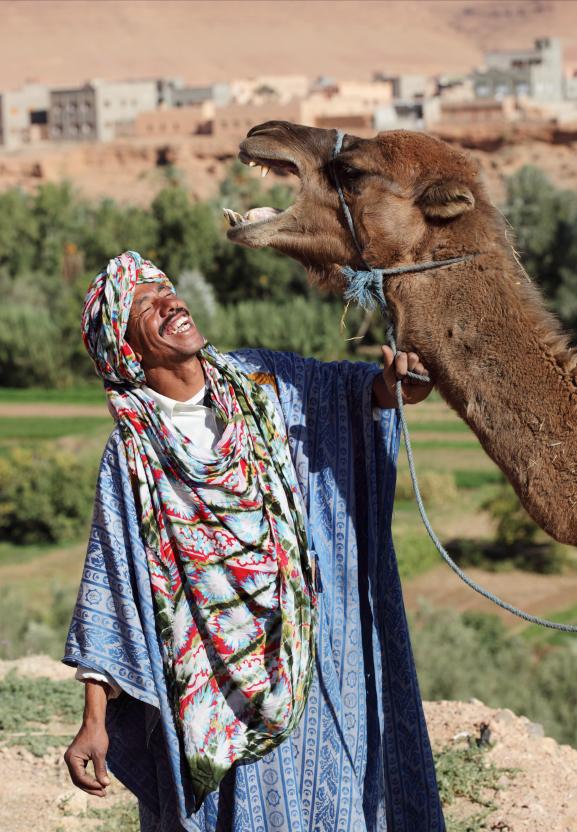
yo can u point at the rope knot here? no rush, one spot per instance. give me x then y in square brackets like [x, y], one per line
[364, 288]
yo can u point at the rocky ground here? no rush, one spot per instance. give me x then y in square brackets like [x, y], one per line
[127, 170]
[522, 782]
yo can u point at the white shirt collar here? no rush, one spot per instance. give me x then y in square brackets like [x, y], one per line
[171, 406]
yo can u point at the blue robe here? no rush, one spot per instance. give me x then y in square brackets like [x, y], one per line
[360, 760]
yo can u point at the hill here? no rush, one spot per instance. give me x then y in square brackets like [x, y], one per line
[496, 770]
[60, 42]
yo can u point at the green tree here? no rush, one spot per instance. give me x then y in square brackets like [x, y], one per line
[186, 233]
[239, 274]
[61, 218]
[46, 495]
[18, 233]
[28, 346]
[253, 274]
[544, 219]
[309, 327]
[113, 229]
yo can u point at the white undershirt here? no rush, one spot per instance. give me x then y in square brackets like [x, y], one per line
[199, 424]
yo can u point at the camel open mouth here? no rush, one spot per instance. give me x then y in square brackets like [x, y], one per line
[244, 228]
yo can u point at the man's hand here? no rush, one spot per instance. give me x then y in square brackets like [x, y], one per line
[395, 369]
[90, 743]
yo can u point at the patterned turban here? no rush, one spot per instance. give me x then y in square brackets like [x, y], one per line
[105, 316]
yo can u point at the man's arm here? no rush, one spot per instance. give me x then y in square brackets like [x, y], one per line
[91, 742]
[395, 369]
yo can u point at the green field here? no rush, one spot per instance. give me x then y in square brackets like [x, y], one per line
[88, 394]
[456, 479]
[38, 583]
[25, 428]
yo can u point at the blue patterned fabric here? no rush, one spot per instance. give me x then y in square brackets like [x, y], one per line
[360, 759]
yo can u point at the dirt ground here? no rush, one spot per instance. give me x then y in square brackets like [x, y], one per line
[540, 796]
[63, 411]
[536, 594]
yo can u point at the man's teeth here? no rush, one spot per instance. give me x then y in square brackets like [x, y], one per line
[183, 325]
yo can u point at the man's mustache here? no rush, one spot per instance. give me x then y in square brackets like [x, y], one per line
[170, 318]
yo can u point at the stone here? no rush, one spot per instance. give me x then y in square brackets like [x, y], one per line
[535, 729]
[72, 802]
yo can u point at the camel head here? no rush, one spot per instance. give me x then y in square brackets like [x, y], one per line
[482, 330]
[411, 196]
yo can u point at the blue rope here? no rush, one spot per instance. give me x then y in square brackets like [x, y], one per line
[366, 289]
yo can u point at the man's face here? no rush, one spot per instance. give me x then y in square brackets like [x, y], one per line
[160, 328]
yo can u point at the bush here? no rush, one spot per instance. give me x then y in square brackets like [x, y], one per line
[28, 631]
[46, 495]
[513, 523]
[545, 223]
[299, 325]
[472, 655]
[199, 296]
[415, 552]
[28, 346]
[435, 487]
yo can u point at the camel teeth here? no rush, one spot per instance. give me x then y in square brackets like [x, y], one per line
[233, 217]
[252, 164]
[263, 171]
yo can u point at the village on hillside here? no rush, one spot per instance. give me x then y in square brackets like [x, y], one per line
[528, 87]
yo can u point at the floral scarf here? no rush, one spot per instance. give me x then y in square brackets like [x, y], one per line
[226, 544]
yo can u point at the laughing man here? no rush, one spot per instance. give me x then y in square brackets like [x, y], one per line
[240, 627]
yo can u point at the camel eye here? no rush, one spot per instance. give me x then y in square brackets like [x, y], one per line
[350, 173]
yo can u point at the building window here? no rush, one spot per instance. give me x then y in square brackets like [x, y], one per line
[38, 117]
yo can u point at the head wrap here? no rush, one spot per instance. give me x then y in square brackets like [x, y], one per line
[105, 316]
[224, 534]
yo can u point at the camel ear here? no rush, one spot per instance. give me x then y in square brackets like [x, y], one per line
[444, 200]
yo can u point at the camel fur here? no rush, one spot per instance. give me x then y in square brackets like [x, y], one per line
[497, 356]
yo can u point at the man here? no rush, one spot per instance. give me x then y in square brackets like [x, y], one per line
[240, 625]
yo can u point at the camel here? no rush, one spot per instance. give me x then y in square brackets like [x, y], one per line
[497, 355]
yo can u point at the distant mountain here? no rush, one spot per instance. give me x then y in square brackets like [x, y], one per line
[68, 42]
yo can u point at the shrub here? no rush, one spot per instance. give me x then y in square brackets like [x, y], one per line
[513, 523]
[199, 296]
[299, 325]
[459, 657]
[415, 552]
[46, 495]
[25, 630]
[28, 346]
[435, 487]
